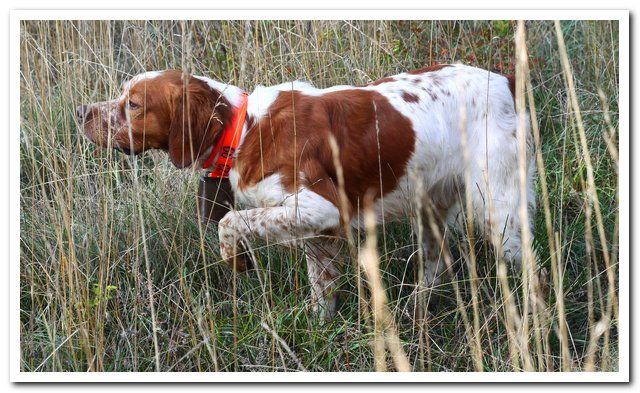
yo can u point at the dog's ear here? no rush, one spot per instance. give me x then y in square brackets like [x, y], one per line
[199, 114]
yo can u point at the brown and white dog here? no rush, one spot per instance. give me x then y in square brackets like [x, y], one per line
[414, 139]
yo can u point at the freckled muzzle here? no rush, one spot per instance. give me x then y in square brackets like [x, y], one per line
[94, 121]
[100, 123]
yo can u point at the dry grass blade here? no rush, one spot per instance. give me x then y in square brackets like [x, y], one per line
[592, 191]
[284, 345]
[384, 324]
[529, 283]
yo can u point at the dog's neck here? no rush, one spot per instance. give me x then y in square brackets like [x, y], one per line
[230, 96]
[233, 94]
[219, 158]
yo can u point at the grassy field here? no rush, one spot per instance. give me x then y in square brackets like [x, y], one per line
[98, 231]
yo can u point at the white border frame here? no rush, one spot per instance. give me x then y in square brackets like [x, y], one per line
[622, 16]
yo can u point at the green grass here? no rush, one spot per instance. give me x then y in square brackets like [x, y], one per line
[84, 301]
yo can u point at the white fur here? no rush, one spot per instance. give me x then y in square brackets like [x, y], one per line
[232, 93]
[262, 97]
[145, 75]
[267, 192]
[307, 208]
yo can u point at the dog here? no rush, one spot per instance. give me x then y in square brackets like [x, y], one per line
[302, 160]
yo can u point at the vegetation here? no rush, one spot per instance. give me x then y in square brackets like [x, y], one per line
[99, 230]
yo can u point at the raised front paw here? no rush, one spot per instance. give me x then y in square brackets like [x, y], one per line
[231, 249]
[235, 256]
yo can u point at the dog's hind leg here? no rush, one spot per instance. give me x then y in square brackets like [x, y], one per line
[495, 182]
[435, 205]
[433, 239]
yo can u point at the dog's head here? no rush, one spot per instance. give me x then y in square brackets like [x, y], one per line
[165, 110]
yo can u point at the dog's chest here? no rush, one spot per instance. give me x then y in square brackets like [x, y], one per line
[268, 192]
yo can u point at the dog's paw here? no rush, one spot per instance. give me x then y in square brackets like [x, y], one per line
[236, 257]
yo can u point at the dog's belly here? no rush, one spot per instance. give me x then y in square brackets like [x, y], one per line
[423, 184]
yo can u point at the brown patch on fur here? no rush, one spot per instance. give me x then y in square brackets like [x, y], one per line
[293, 139]
[381, 81]
[432, 68]
[410, 97]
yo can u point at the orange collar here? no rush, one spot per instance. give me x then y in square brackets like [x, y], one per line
[223, 152]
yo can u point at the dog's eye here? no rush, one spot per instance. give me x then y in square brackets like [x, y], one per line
[132, 105]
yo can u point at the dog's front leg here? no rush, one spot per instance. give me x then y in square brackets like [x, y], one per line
[300, 217]
[323, 275]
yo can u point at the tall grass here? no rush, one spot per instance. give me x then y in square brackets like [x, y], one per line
[117, 275]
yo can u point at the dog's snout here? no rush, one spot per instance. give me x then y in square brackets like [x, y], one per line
[82, 111]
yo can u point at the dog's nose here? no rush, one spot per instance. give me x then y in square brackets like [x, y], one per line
[82, 111]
